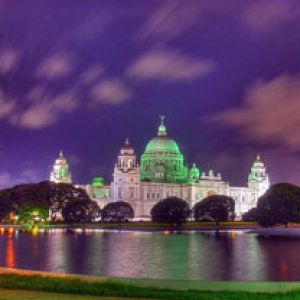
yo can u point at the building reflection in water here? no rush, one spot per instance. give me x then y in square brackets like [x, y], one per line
[10, 249]
[283, 269]
[57, 251]
[210, 255]
[248, 258]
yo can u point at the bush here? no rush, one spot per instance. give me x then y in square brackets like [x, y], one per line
[119, 211]
[79, 211]
[250, 215]
[172, 210]
[279, 205]
[217, 208]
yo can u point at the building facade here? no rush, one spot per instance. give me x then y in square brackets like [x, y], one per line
[163, 172]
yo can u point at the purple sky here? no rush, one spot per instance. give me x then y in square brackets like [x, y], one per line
[84, 75]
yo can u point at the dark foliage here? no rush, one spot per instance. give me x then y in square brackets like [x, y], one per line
[119, 211]
[23, 199]
[79, 211]
[279, 205]
[250, 215]
[217, 208]
[172, 210]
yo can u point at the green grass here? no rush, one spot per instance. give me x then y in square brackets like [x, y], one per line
[145, 225]
[33, 295]
[112, 288]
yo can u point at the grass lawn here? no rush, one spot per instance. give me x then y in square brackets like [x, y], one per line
[152, 225]
[14, 286]
[33, 295]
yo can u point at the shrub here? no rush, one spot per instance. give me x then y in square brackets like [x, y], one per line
[171, 210]
[119, 211]
[218, 208]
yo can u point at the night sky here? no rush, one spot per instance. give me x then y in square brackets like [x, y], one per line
[83, 75]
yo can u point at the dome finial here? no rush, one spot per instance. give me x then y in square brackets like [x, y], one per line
[162, 130]
[61, 153]
[127, 141]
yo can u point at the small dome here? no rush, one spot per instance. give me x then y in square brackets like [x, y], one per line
[194, 172]
[126, 148]
[258, 162]
[97, 181]
[61, 159]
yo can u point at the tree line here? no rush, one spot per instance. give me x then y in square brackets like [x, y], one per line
[280, 205]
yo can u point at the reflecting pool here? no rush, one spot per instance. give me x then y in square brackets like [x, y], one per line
[224, 255]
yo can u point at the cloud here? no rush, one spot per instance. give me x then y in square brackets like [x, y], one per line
[91, 74]
[92, 25]
[266, 15]
[7, 106]
[172, 18]
[55, 66]
[46, 111]
[6, 180]
[269, 113]
[170, 65]
[111, 91]
[28, 175]
[8, 60]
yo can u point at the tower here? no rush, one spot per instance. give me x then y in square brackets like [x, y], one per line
[60, 172]
[126, 178]
[258, 180]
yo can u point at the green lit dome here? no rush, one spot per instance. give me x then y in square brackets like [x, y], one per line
[97, 181]
[162, 144]
[162, 160]
[194, 173]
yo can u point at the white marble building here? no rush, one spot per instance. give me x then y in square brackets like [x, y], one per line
[163, 173]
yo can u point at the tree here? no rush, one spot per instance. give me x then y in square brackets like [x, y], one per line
[279, 205]
[172, 210]
[33, 201]
[118, 211]
[79, 211]
[250, 215]
[218, 208]
[60, 194]
[7, 205]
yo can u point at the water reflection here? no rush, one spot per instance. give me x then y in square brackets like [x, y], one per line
[10, 249]
[231, 255]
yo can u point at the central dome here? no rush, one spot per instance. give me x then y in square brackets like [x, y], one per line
[162, 160]
[162, 144]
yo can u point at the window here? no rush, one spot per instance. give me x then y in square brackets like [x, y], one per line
[129, 163]
[131, 192]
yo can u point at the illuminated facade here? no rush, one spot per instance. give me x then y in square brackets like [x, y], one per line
[163, 172]
[60, 172]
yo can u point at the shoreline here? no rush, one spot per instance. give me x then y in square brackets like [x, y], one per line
[142, 227]
[177, 285]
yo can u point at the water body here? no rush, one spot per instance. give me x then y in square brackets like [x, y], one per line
[227, 255]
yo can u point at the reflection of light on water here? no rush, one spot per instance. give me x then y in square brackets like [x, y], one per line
[233, 235]
[35, 230]
[10, 250]
[283, 269]
[167, 232]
